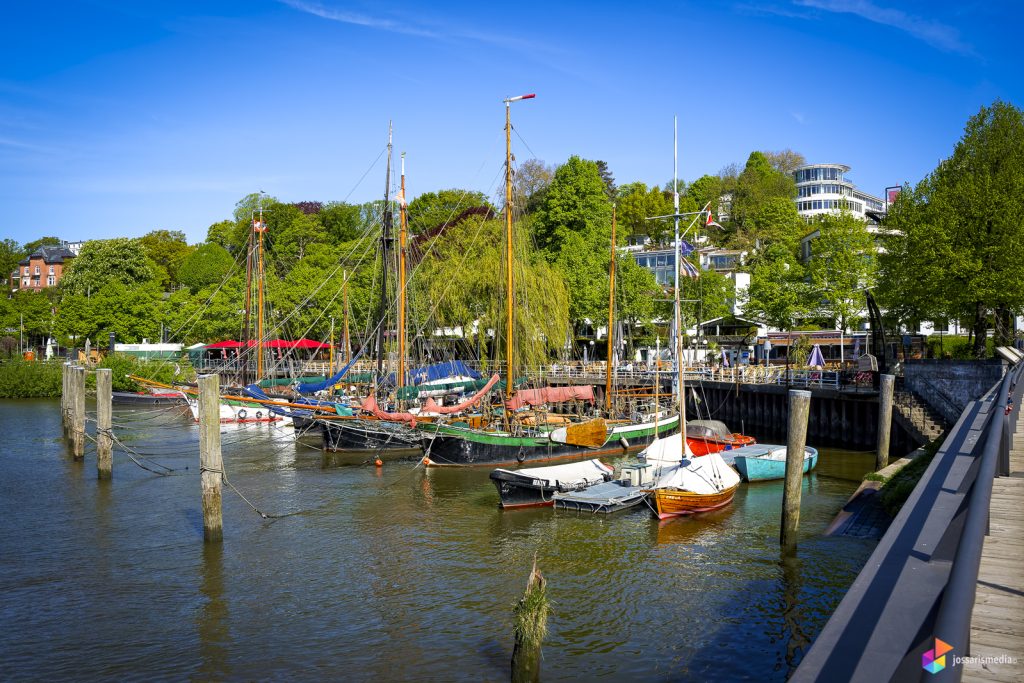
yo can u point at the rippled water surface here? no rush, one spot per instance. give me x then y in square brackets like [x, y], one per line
[392, 574]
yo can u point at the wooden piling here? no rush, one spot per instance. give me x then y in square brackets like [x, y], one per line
[78, 413]
[531, 625]
[211, 465]
[884, 420]
[104, 423]
[796, 439]
[64, 399]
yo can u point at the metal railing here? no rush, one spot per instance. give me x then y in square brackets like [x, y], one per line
[920, 582]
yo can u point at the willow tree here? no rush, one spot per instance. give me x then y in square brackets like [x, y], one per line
[463, 279]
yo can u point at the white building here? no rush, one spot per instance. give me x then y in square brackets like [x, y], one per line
[823, 188]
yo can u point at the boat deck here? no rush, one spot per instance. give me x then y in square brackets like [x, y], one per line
[606, 497]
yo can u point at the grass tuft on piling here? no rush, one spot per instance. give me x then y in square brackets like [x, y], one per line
[531, 611]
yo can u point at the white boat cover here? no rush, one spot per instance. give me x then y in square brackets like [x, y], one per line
[571, 474]
[667, 450]
[706, 474]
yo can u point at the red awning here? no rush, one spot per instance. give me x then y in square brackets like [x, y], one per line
[229, 344]
[272, 344]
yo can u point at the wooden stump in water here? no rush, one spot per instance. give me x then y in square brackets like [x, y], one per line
[531, 625]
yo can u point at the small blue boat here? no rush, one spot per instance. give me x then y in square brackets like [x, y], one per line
[760, 462]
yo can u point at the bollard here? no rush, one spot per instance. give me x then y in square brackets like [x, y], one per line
[78, 414]
[885, 390]
[531, 625]
[104, 423]
[796, 439]
[64, 399]
[211, 466]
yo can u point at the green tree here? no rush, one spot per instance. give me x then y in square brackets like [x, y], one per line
[294, 239]
[343, 222]
[532, 179]
[841, 267]
[104, 261]
[575, 203]
[777, 222]
[74, 321]
[778, 293]
[166, 249]
[707, 297]
[10, 254]
[758, 184]
[433, 209]
[223, 235]
[967, 215]
[208, 264]
[131, 311]
[41, 242]
[636, 203]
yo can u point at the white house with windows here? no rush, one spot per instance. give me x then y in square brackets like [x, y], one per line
[823, 188]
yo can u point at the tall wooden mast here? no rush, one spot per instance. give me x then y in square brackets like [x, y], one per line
[385, 248]
[611, 322]
[260, 228]
[678, 313]
[509, 282]
[345, 341]
[402, 237]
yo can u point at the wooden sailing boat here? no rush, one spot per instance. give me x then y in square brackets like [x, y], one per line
[685, 484]
[515, 441]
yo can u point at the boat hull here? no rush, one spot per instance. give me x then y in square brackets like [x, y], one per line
[703, 446]
[670, 503]
[454, 446]
[385, 438]
[764, 469]
[518, 491]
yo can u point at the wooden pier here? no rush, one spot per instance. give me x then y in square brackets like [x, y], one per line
[997, 622]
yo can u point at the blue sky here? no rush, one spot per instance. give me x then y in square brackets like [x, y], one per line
[117, 118]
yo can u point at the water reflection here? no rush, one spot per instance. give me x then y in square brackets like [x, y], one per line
[212, 621]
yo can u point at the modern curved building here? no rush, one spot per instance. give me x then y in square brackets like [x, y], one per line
[823, 188]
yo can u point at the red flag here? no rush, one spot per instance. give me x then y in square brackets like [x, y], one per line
[710, 219]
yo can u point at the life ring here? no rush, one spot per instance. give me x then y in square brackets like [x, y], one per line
[521, 457]
[259, 414]
[242, 414]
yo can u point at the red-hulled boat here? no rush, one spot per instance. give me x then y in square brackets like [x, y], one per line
[712, 436]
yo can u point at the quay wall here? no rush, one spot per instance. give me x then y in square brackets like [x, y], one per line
[950, 385]
[846, 419]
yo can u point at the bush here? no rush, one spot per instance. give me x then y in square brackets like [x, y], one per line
[165, 372]
[21, 379]
[897, 490]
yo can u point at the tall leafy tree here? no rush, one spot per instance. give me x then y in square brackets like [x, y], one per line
[959, 231]
[104, 261]
[206, 265]
[166, 249]
[433, 209]
[576, 202]
[842, 266]
[636, 204]
[10, 254]
[41, 242]
[778, 293]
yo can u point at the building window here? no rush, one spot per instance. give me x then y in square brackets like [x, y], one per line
[51, 281]
[37, 270]
[51, 270]
[27, 273]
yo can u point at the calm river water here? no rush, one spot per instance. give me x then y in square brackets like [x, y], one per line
[392, 574]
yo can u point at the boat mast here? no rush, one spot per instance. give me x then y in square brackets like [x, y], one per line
[244, 353]
[260, 228]
[611, 322]
[344, 325]
[385, 243]
[510, 299]
[678, 314]
[402, 236]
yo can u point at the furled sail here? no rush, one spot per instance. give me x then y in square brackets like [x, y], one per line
[313, 387]
[430, 406]
[536, 397]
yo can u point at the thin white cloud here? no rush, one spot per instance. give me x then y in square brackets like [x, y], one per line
[319, 10]
[423, 29]
[798, 116]
[934, 33]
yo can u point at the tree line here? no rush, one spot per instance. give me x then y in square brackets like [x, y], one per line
[949, 249]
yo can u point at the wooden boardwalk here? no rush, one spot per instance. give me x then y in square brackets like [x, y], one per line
[997, 623]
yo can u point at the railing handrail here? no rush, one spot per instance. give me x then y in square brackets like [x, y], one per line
[920, 581]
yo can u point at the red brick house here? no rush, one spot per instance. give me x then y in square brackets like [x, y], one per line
[41, 269]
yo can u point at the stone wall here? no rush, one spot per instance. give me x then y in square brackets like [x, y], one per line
[949, 385]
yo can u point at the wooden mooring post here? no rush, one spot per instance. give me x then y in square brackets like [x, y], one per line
[796, 439]
[65, 400]
[885, 392]
[78, 413]
[531, 625]
[104, 423]
[211, 465]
